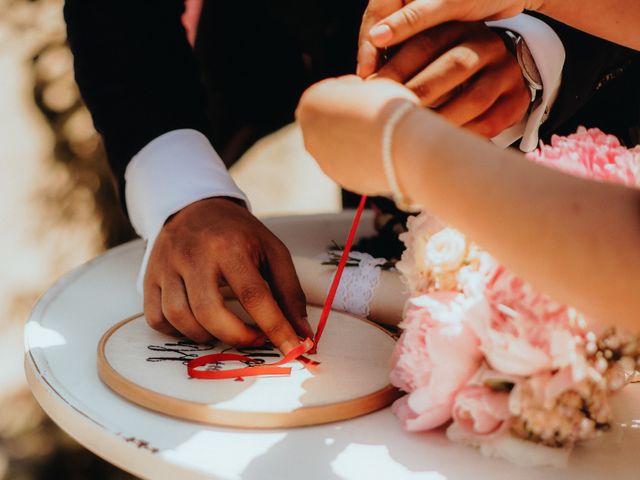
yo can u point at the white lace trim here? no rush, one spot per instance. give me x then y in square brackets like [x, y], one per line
[358, 285]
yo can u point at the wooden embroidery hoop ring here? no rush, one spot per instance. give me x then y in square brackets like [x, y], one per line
[208, 414]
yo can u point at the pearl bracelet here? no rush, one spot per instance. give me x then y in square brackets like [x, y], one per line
[401, 201]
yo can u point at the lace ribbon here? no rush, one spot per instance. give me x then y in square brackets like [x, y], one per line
[358, 285]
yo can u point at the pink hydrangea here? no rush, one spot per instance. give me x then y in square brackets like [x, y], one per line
[591, 154]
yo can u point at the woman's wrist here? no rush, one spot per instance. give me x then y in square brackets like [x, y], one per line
[401, 199]
[415, 143]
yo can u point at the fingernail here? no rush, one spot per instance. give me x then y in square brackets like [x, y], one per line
[380, 34]
[287, 346]
[358, 69]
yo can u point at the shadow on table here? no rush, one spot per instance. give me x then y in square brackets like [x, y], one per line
[348, 450]
[361, 448]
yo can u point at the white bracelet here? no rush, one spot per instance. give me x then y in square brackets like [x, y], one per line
[401, 201]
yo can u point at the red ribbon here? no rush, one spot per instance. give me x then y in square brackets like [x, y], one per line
[256, 368]
[336, 280]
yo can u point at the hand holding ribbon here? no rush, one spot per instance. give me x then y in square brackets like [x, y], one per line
[254, 367]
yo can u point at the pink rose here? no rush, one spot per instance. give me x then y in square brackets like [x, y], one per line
[414, 264]
[437, 256]
[525, 332]
[481, 412]
[435, 357]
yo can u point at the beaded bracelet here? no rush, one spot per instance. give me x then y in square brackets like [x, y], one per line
[401, 201]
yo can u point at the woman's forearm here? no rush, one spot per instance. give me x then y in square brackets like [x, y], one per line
[615, 20]
[575, 239]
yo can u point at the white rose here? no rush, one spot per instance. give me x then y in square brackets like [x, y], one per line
[446, 251]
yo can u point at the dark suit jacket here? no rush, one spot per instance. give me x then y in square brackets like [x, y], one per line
[140, 78]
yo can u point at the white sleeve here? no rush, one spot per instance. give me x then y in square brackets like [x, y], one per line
[549, 54]
[175, 170]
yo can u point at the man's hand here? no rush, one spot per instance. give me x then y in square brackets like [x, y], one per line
[368, 53]
[419, 15]
[217, 242]
[465, 72]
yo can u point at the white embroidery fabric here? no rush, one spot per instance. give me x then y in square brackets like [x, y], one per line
[358, 284]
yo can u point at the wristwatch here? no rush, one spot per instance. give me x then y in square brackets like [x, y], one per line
[530, 72]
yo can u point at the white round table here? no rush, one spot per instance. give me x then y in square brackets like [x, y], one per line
[61, 338]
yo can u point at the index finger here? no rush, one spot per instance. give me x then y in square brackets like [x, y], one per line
[255, 296]
[412, 19]
[287, 290]
[368, 54]
[419, 52]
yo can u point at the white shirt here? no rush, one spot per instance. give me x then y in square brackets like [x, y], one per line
[549, 55]
[181, 167]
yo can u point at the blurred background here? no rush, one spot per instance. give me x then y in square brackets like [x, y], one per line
[58, 209]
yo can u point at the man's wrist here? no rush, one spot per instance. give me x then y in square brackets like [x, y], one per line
[171, 172]
[518, 47]
[535, 5]
[211, 200]
[548, 53]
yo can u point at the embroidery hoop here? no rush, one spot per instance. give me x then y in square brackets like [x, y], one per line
[347, 383]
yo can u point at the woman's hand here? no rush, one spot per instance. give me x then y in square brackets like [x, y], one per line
[342, 122]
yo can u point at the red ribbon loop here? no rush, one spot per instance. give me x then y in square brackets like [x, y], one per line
[253, 370]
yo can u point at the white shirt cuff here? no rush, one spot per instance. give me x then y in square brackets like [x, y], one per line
[549, 54]
[174, 170]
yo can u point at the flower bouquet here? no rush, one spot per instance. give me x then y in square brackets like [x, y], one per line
[508, 369]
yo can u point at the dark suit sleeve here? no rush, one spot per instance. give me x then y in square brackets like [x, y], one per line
[598, 88]
[136, 72]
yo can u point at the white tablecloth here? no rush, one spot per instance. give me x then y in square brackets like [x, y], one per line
[61, 340]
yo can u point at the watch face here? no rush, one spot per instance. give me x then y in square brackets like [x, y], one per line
[529, 68]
